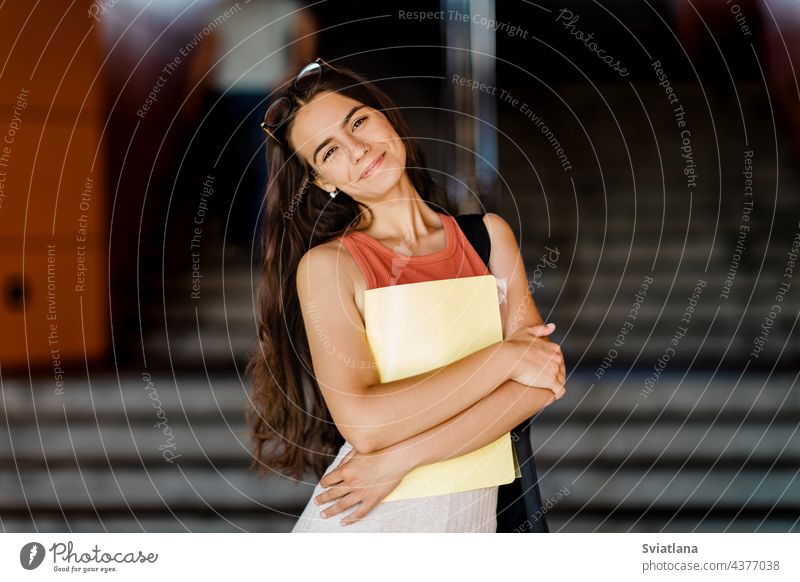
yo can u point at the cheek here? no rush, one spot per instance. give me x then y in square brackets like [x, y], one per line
[401, 152]
[398, 152]
[337, 175]
[398, 147]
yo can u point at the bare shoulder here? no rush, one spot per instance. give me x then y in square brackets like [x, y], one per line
[322, 253]
[501, 236]
[505, 263]
[327, 263]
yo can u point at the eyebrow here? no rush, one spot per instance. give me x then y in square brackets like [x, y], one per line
[345, 121]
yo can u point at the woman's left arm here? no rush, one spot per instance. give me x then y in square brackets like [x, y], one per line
[369, 478]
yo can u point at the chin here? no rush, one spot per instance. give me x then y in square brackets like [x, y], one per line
[385, 181]
[388, 175]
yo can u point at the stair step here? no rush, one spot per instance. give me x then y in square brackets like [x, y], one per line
[156, 488]
[220, 397]
[637, 441]
[179, 489]
[253, 521]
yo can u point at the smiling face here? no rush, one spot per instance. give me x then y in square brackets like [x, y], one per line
[350, 146]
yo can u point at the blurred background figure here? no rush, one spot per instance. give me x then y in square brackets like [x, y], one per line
[242, 62]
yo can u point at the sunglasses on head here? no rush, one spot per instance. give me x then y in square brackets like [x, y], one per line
[281, 109]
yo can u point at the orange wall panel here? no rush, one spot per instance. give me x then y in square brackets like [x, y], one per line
[51, 180]
[52, 302]
[50, 49]
[53, 306]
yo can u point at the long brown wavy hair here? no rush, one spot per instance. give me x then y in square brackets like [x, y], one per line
[288, 419]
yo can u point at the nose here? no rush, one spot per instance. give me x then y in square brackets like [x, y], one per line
[358, 150]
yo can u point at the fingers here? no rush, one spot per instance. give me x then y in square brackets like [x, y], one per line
[561, 378]
[345, 502]
[553, 375]
[347, 457]
[541, 363]
[332, 478]
[365, 508]
[331, 494]
[336, 475]
[543, 330]
[557, 388]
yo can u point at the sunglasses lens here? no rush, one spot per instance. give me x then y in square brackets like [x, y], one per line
[308, 77]
[281, 108]
[277, 112]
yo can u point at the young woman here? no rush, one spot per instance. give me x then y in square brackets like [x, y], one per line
[351, 206]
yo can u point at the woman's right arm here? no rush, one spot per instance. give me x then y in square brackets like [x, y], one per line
[368, 413]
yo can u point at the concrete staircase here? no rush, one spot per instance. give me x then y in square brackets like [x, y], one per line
[624, 212]
[700, 453]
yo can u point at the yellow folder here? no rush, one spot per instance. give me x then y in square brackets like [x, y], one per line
[416, 327]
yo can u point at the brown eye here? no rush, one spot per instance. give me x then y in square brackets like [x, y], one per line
[328, 154]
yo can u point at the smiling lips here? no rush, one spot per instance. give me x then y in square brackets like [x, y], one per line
[375, 163]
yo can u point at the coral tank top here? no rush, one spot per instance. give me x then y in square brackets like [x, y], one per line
[382, 266]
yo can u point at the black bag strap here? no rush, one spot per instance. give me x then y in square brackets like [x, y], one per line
[475, 230]
[519, 503]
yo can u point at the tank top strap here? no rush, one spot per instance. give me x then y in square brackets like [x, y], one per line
[382, 266]
[358, 254]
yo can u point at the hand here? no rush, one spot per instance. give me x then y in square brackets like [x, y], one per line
[535, 361]
[362, 477]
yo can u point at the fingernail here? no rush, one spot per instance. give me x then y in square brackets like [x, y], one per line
[316, 501]
[324, 515]
[552, 325]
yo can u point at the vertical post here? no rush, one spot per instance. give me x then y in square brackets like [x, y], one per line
[472, 160]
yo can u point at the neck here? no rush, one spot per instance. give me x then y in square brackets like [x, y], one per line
[403, 214]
